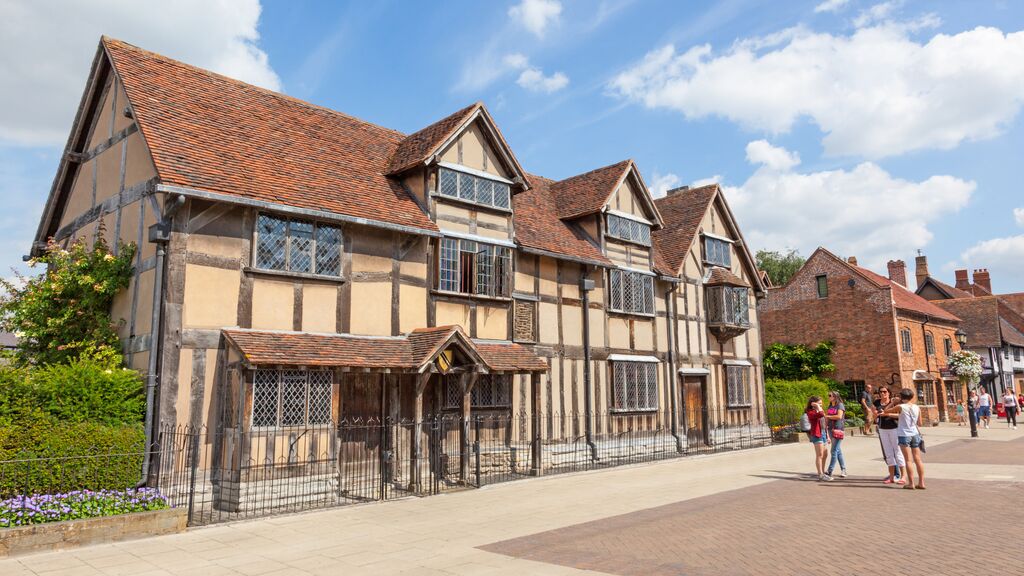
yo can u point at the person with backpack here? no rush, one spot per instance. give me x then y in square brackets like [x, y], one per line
[909, 436]
[813, 420]
[887, 436]
[835, 422]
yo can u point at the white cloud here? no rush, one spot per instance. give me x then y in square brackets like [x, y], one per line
[771, 157]
[662, 183]
[46, 49]
[877, 13]
[1018, 215]
[874, 93]
[864, 211]
[536, 15]
[534, 80]
[831, 6]
[1002, 257]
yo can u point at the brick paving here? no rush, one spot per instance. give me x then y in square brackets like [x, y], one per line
[792, 526]
[977, 451]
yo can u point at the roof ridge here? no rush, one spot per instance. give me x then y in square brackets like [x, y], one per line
[106, 40]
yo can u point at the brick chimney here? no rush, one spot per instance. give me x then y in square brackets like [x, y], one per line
[962, 282]
[921, 269]
[898, 272]
[981, 278]
[852, 260]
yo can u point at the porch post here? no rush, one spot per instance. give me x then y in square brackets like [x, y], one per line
[466, 383]
[415, 447]
[536, 460]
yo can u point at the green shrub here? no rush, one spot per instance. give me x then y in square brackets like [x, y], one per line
[40, 454]
[87, 389]
[798, 362]
[786, 399]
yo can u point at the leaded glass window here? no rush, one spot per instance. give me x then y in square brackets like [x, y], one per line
[717, 252]
[291, 398]
[472, 188]
[470, 267]
[490, 391]
[297, 246]
[738, 385]
[631, 292]
[630, 230]
[728, 305]
[634, 386]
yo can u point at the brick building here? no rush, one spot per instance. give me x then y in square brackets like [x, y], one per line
[994, 323]
[884, 334]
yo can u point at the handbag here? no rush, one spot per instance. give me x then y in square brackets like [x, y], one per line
[838, 434]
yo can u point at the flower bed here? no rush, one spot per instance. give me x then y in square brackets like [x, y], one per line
[78, 504]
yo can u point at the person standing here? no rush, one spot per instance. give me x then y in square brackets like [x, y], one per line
[835, 419]
[818, 436]
[1010, 406]
[984, 407]
[961, 413]
[867, 403]
[887, 436]
[909, 436]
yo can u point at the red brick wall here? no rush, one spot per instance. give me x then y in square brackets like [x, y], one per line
[919, 360]
[859, 319]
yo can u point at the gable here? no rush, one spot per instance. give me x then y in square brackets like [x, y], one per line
[473, 148]
[629, 198]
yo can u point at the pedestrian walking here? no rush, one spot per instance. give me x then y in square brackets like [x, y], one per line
[835, 418]
[961, 413]
[984, 407]
[1010, 406]
[909, 437]
[817, 435]
[887, 435]
[867, 402]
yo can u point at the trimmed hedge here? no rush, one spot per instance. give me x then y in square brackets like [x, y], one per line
[86, 390]
[40, 454]
[787, 399]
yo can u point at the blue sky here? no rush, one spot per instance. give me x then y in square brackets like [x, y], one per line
[872, 128]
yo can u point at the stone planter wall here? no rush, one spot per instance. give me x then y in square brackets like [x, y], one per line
[74, 533]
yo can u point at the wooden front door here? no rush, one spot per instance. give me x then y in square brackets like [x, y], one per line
[693, 406]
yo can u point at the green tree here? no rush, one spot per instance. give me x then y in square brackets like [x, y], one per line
[798, 362]
[779, 266]
[64, 313]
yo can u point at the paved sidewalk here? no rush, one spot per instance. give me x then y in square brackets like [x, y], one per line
[735, 513]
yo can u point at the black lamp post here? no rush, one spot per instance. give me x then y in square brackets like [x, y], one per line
[961, 339]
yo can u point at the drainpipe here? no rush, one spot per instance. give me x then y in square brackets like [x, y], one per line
[586, 285]
[159, 234]
[671, 324]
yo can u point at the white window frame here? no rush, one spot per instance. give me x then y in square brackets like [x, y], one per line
[714, 248]
[317, 229]
[630, 292]
[634, 386]
[491, 257]
[474, 187]
[312, 378]
[737, 385]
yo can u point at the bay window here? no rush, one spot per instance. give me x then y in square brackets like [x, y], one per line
[728, 305]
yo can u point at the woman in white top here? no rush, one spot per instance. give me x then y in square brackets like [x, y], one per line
[1010, 406]
[909, 436]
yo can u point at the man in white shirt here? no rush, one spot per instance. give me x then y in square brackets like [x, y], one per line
[984, 406]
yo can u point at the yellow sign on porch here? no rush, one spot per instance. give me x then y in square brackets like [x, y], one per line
[444, 361]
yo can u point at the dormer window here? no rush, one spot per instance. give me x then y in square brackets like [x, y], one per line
[629, 230]
[475, 188]
[717, 251]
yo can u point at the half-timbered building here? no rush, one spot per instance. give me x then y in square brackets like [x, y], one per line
[298, 267]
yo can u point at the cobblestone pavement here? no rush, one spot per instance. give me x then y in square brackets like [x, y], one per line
[745, 512]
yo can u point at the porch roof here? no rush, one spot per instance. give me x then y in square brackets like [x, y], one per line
[412, 352]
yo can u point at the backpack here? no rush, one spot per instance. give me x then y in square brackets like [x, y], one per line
[805, 423]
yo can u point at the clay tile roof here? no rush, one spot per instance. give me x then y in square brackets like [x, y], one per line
[538, 226]
[587, 193]
[724, 277]
[510, 357]
[951, 291]
[1014, 301]
[979, 318]
[1010, 334]
[304, 349]
[212, 133]
[408, 352]
[682, 211]
[904, 299]
[418, 146]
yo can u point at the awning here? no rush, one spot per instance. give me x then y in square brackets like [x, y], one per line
[694, 371]
[412, 352]
[632, 358]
